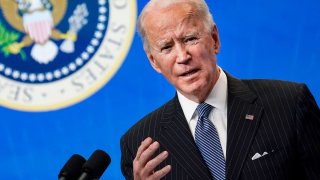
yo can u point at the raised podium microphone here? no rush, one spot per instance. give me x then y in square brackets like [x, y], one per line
[72, 169]
[95, 166]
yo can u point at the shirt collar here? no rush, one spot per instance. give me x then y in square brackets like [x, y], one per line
[217, 97]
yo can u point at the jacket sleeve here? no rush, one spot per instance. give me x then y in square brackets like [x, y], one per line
[308, 133]
[126, 160]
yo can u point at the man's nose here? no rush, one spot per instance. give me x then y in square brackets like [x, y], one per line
[183, 55]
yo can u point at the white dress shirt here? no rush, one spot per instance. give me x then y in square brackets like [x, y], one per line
[218, 115]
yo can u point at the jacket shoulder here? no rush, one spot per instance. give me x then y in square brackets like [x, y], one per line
[278, 93]
[265, 86]
[265, 83]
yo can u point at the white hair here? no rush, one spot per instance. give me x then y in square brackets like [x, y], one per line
[200, 7]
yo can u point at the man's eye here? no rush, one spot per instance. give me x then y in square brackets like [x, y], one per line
[165, 48]
[190, 39]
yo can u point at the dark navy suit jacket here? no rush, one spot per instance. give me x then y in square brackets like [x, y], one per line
[286, 125]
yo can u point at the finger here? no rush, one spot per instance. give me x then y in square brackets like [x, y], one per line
[147, 153]
[152, 164]
[161, 173]
[144, 145]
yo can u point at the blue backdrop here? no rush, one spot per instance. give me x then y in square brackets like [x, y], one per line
[277, 39]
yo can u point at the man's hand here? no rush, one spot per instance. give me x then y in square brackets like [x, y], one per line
[143, 165]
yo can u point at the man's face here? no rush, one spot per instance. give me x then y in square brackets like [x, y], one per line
[183, 49]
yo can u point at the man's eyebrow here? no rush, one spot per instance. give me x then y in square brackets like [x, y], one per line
[163, 42]
[188, 34]
[192, 33]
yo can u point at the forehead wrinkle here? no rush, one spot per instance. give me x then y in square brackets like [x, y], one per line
[168, 25]
[181, 30]
[189, 16]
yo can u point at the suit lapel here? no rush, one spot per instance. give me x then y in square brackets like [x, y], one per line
[177, 139]
[243, 120]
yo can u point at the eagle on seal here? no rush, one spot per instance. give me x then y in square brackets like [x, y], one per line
[37, 19]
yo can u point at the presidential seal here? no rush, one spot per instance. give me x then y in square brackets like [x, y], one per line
[55, 53]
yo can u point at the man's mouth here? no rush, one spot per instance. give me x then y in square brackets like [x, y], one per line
[189, 73]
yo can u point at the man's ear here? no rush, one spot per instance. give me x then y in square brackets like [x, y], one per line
[153, 62]
[215, 37]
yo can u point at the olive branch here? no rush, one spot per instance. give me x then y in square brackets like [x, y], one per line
[6, 39]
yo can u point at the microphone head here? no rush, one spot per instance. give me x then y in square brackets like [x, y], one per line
[72, 168]
[96, 164]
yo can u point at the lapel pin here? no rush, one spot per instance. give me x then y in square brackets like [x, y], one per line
[249, 117]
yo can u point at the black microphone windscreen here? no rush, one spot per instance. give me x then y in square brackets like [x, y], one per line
[97, 164]
[72, 168]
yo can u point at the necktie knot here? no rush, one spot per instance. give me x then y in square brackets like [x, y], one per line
[203, 110]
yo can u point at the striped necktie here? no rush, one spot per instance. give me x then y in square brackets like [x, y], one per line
[208, 142]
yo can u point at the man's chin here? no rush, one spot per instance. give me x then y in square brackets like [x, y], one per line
[190, 90]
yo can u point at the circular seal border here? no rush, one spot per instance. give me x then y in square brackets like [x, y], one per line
[92, 89]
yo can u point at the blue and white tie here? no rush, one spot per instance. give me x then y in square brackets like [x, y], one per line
[208, 142]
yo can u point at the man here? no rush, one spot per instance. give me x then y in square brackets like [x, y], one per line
[265, 129]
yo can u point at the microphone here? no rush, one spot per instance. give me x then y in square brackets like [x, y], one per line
[95, 166]
[72, 168]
